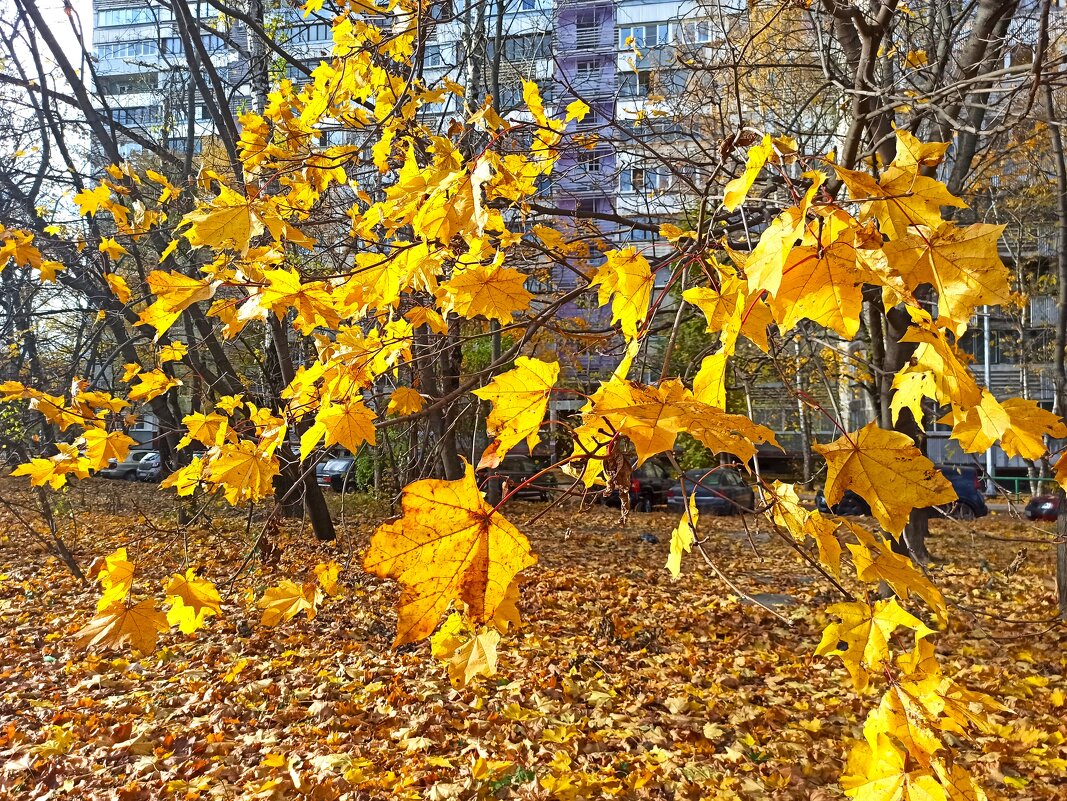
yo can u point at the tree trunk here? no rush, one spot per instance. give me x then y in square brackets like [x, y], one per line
[1059, 374]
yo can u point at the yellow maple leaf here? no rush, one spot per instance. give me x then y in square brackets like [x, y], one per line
[283, 292]
[173, 352]
[112, 249]
[175, 293]
[405, 401]
[493, 292]
[876, 562]
[1030, 424]
[243, 471]
[326, 573]
[228, 221]
[907, 722]
[192, 600]
[901, 199]
[737, 190]
[118, 286]
[882, 774]
[861, 639]
[205, 429]
[152, 385]
[287, 600]
[962, 264]
[102, 446]
[139, 625]
[476, 657]
[886, 470]
[683, 537]
[802, 523]
[448, 545]
[520, 399]
[626, 280]
[89, 201]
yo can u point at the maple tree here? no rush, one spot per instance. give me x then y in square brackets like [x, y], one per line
[433, 254]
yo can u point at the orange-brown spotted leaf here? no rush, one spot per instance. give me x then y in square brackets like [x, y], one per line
[886, 470]
[449, 545]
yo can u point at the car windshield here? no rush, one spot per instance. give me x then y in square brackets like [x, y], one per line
[706, 477]
[517, 463]
[338, 464]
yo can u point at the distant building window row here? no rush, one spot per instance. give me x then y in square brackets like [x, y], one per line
[168, 45]
[147, 14]
[136, 115]
[650, 35]
[317, 32]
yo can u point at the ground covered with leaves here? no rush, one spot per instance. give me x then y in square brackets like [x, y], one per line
[623, 682]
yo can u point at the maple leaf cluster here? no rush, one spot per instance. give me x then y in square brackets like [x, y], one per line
[438, 244]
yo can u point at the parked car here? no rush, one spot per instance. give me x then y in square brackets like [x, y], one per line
[339, 474]
[517, 469]
[648, 486]
[150, 468]
[719, 490]
[126, 470]
[1043, 507]
[967, 482]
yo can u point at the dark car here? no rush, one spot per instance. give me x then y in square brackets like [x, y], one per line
[339, 474]
[965, 480]
[126, 470]
[648, 486]
[150, 468]
[719, 490]
[1043, 507]
[516, 469]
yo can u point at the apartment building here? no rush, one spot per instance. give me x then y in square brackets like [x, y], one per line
[656, 75]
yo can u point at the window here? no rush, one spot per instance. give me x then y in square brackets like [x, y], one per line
[143, 15]
[317, 32]
[526, 5]
[128, 84]
[172, 45]
[697, 32]
[525, 48]
[587, 33]
[587, 72]
[432, 57]
[645, 179]
[637, 84]
[127, 49]
[591, 160]
[136, 115]
[642, 36]
[147, 14]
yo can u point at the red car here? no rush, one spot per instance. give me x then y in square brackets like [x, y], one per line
[1043, 507]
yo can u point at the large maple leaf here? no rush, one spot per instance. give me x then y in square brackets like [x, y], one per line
[886, 470]
[139, 625]
[448, 545]
[861, 639]
[625, 279]
[519, 398]
[493, 292]
[962, 264]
